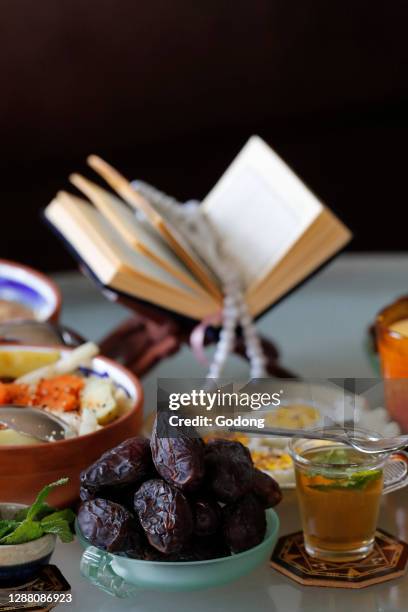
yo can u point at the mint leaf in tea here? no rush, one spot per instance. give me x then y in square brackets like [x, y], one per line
[353, 482]
[339, 477]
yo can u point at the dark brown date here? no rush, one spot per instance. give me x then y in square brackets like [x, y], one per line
[212, 547]
[244, 523]
[120, 495]
[85, 494]
[152, 554]
[179, 459]
[134, 545]
[207, 515]
[108, 525]
[129, 463]
[229, 469]
[266, 489]
[199, 549]
[165, 515]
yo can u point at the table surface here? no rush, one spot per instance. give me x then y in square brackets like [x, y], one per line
[320, 329]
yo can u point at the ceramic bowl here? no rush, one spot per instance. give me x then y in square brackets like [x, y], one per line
[124, 577]
[18, 562]
[31, 288]
[24, 470]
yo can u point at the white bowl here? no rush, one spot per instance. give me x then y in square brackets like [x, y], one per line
[31, 288]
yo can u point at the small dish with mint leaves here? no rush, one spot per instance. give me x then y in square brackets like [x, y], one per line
[28, 535]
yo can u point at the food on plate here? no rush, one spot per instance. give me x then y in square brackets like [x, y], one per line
[67, 387]
[10, 310]
[226, 435]
[229, 469]
[108, 525]
[292, 416]
[223, 514]
[179, 459]
[164, 514]
[269, 459]
[244, 523]
[19, 362]
[38, 519]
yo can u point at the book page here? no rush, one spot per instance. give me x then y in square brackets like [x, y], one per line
[260, 208]
[320, 242]
[136, 231]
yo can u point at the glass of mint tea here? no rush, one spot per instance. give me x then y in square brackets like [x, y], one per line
[339, 491]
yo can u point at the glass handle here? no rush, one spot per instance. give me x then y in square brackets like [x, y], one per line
[96, 566]
[395, 472]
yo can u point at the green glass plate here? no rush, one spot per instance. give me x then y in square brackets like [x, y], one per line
[124, 577]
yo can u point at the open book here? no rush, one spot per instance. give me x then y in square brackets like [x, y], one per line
[271, 226]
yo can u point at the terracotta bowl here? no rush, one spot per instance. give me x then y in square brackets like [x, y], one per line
[31, 288]
[24, 470]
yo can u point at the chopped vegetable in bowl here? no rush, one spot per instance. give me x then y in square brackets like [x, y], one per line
[85, 399]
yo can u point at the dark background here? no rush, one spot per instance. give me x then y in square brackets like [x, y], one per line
[169, 91]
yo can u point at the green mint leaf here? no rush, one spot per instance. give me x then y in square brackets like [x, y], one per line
[59, 523]
[24, 532]
[7, 526]
[38, 505]
[59, 515]
[60, 527]
[360, 480]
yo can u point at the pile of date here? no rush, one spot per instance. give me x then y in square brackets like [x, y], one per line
[175, 499]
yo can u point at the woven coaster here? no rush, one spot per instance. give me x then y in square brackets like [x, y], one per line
[48, 580]
[386, 562]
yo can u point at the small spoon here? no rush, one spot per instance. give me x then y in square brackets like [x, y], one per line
[372, 444]
[35, 423]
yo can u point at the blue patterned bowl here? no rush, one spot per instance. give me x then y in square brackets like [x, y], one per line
[25, 285]
[19, 562]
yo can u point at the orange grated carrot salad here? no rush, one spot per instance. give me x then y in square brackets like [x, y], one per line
[61, 392]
